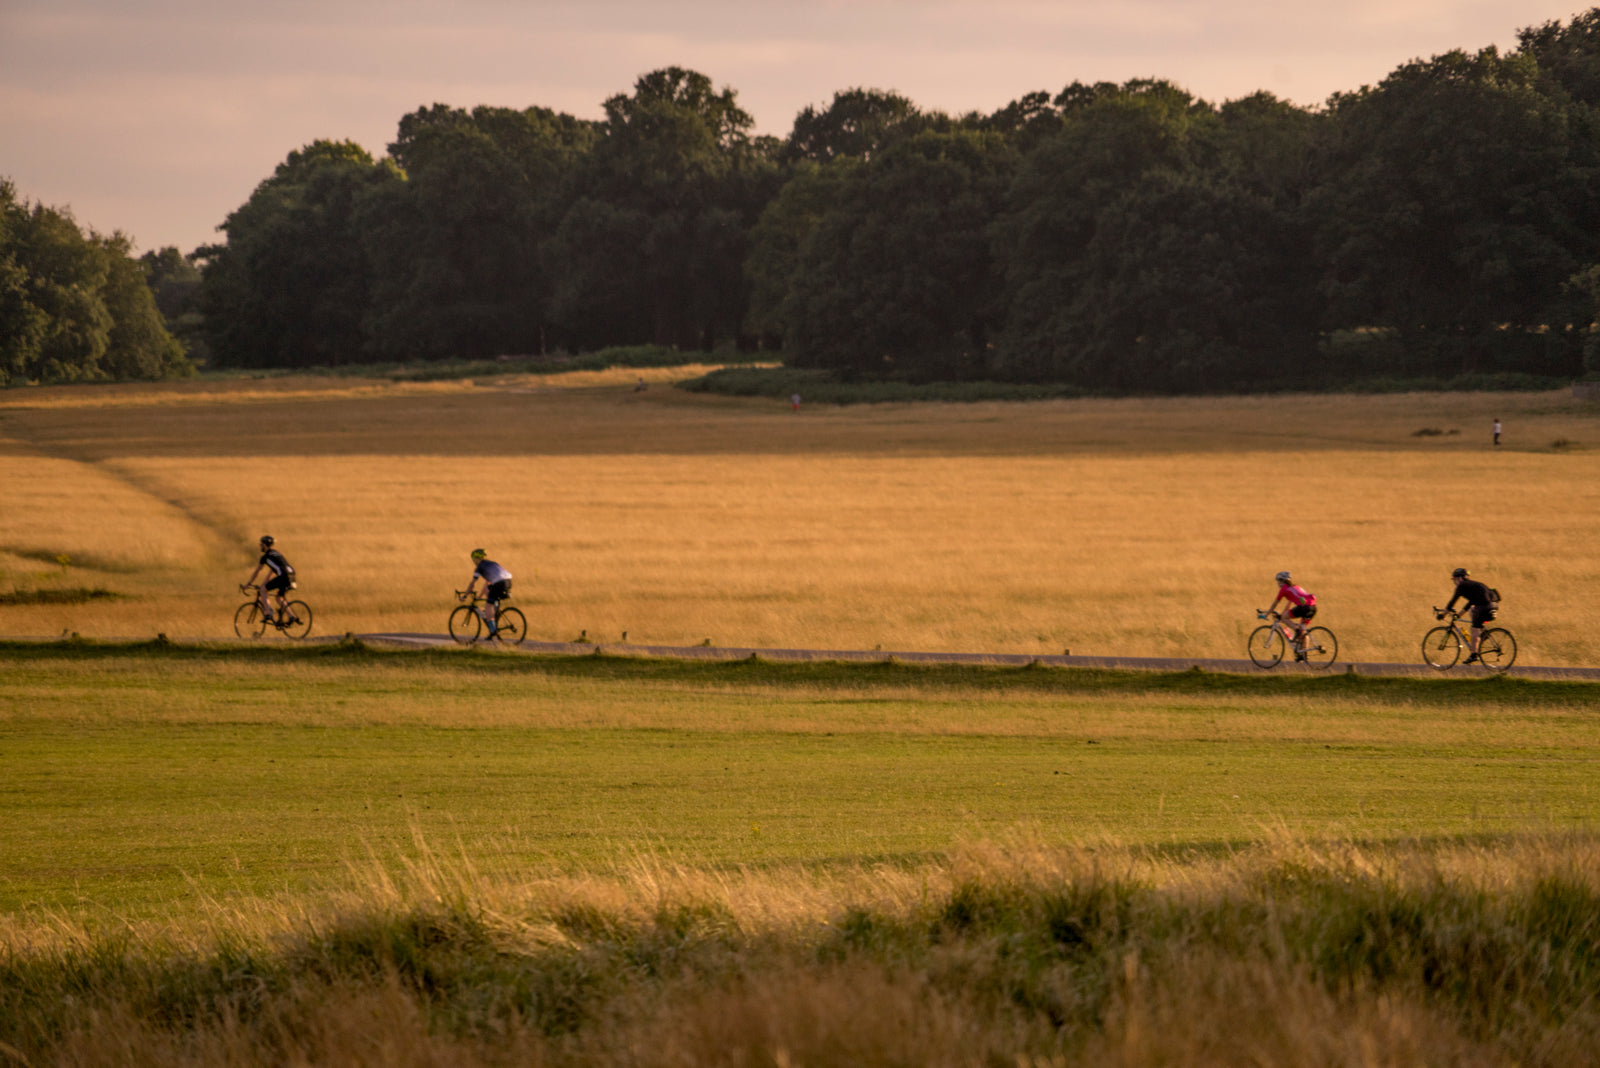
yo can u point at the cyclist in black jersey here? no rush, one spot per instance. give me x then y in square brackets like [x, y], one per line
[496, 586]
[1476, 596]
[279, 582]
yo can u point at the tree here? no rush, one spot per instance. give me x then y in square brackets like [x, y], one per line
[858, 124]
[1156, 243]
[1459, 199]
[779, 235]
[898, 276]
[139, 345]
[175, 281]
[653, 248]
[23, 324]
[289, 288]
[1568, 57]
[455, 248]
[74, 307]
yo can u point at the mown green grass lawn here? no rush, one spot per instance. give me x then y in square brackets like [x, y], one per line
[135, 779]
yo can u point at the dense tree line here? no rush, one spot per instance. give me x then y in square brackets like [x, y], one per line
[74, 306]
[1130, 237]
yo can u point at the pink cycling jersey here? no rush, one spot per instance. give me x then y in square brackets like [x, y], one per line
[1296, 594]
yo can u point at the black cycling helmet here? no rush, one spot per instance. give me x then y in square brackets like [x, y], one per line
[266, 539]
[1459, 572]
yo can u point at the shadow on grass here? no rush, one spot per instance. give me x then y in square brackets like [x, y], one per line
[885, 675]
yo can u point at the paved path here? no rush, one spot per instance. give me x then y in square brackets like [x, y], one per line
[1121, 663]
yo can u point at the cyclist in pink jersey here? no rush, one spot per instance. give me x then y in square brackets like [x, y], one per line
[1302, 606]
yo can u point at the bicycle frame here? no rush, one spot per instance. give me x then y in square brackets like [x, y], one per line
[1290, 635]
[1452, 619]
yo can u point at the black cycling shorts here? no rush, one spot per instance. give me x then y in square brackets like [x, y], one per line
[1302, 611]
[497, 591]
[278, 584]
[1482, 614]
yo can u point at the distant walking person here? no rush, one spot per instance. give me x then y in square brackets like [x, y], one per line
[1497, 430]
[1479, 598]
[1302, 606]
[496, 583]
[794, 402]
[278, 585]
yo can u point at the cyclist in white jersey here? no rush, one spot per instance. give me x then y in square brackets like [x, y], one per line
[496, 583]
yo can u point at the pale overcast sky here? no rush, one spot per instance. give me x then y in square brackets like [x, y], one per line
[158, 117]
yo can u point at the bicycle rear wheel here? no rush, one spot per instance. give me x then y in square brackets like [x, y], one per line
[465, 624]
[511, 626]
[1497, 649]
[248, 622]
[298, 623]
[1322, 648]
[1441, 648]
[1266, 647]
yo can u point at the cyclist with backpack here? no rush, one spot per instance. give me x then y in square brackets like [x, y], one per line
[1480, 598]
[278, 585]
[1302, 607]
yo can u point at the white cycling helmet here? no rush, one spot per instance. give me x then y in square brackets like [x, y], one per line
[1282, 576]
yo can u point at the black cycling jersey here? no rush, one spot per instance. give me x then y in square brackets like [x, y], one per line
[273, 560]
[1475, 593]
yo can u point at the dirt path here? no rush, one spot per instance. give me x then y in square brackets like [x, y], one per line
[1121, 663]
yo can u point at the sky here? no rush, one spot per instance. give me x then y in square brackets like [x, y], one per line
[158, 117]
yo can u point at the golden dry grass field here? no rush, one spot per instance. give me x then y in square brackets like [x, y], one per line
[1109, 527]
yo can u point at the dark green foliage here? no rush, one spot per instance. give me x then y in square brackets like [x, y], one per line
[455, 249]
[772, 266]
[859, 124]
[1458, 201]
[74, 307]
[290, 287]
[1154, 243]
[899, 274]
[1109, 238]
[175, 281]
[817, 386]
[653, 248]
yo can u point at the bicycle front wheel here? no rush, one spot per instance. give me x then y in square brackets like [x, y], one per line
[511, 626]
[465, 624]
[298, 620]
[248, 622]
[1266, 647]
[1322, 648]
[1497, 649]
[1441, 648]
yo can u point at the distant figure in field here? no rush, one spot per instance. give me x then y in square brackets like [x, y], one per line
[1497, 430]
[496, 586]
[1302, 606]
[641, 387]
[794, 402]
[278, 585]
[1479, 598]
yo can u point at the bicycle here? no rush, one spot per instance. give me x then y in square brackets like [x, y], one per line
[252, 620]
[1441, 646]
[467, 622]
[1267, 644]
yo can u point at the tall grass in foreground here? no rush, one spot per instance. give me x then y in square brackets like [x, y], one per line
[1009, 953]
